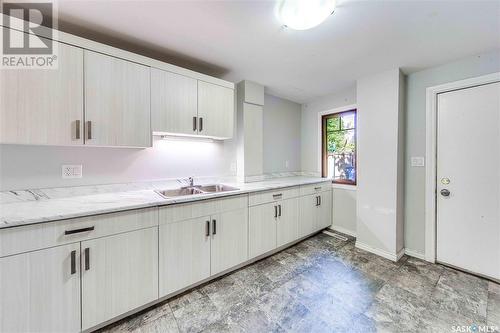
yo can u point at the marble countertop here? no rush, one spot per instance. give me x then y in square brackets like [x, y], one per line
[13, 214]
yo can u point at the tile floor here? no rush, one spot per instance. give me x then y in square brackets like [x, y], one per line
[326, 285]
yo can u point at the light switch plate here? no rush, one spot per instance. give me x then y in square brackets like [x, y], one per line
[417, 161]
[71, 171]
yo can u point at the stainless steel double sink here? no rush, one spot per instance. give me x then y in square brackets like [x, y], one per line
[196, 189]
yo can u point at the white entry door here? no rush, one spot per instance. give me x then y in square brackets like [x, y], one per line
[468, 179]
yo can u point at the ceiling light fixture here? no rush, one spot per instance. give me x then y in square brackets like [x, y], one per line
[303, 14]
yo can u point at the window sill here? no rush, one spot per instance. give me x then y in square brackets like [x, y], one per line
[345, 186]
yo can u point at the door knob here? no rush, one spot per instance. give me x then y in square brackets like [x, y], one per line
[445, 193]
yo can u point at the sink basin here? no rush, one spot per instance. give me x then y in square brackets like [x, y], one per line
[198, 189]
[217, 188]
[180, 192]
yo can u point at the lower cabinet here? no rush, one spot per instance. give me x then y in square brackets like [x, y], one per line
[272, 225]
[119, 274]
[229, 244]
[40, 290]
[184, 253]
[191, 250]
[315, 212]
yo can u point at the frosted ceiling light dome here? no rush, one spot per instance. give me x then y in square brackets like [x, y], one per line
[303, 14]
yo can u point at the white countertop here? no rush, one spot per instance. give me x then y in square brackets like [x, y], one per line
[29, 212]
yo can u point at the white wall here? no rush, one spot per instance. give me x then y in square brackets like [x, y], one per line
[23, 167]
[309, 125]
[344, 210]
[379, 204]
[417, 83]
[281, 137]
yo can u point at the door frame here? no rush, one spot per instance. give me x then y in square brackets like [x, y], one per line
[431, 153]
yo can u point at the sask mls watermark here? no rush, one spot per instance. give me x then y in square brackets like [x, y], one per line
[27, 35]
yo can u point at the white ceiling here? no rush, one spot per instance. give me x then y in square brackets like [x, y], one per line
[243, 40]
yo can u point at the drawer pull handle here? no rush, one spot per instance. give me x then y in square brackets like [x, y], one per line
[73, 262]
[76, 231]
[87, 258]
[317, 188]
[279, 195]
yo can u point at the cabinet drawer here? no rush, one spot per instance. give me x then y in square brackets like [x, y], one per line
[315, 188]
[44, 235]
[273, 195]
[180, 212]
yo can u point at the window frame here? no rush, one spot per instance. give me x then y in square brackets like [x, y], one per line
[324, 153]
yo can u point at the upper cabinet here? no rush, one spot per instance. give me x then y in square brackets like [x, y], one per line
[117, 102]
[44, 106]
[174, 102]
[215, 110]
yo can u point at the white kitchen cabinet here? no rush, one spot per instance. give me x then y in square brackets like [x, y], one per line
[215, 110]
[324, 219]
[117, 102]
[44, 106]
[184, 257]
[315, 212]
[262, 228]
[40, 290]
[174, 103]
[308, 215]
[119, 274]
[287, 225]
[229, 240]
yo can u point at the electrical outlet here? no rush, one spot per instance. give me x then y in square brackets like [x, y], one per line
[417, 161]
[71, 171]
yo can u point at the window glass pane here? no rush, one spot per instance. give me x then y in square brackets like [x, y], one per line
[341, 141]
[332, 124]
[341, 155]
[348, 120]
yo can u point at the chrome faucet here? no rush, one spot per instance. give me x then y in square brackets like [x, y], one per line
[186, 181]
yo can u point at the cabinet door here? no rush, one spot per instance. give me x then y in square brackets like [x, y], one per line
[174, 102]
[117, 102]
[184, 254]
[262, 229]
[39, 291]
[44, 106]
[288, 222]
[119, 274]
[215, 110]
[229, 239]
[324, 219]
[308, 215]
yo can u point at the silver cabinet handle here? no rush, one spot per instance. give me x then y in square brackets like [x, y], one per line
[279, 210]
[89, 130]
[77, 130]
[87, 258]
[201, 124]
[207, 229]
[73, 262]
[214, 227]
[76, 231]
[277, 196]
[194, 124]
[275, 211]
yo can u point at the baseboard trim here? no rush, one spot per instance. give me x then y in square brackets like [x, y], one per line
[385, 254]
[415, 254]
[343, 230]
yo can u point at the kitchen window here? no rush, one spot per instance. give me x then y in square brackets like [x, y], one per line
[339, 147]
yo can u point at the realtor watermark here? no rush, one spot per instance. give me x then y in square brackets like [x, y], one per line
[28, 35]
[474, 328]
